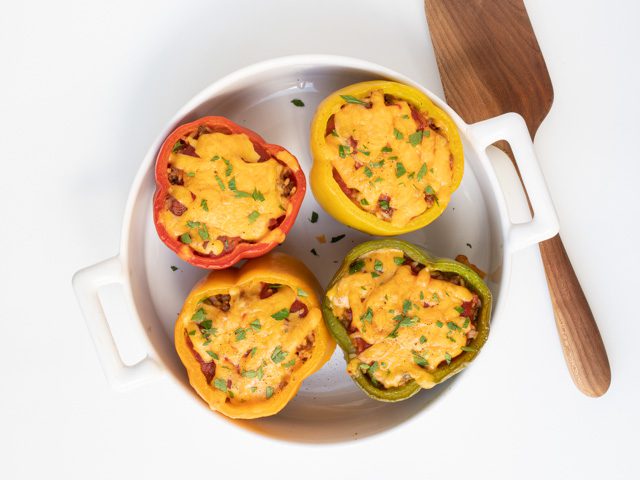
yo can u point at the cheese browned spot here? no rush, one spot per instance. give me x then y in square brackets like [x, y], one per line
[221, 189]
[254, 337]
[404, 320]
[393, 162]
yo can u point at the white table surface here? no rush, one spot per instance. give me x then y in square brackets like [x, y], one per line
[86, 86]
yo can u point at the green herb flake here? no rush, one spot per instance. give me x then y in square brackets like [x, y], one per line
[422, 172]
[453, 326]
[377, 164]
[337, 238]
[405, 116]
[406, 306]
[421, 295]
[420, 360]
[367, 171]
[204, 205]
[260, 373]
[334, 132]
[213, 355]
[439, 324]
[253, 389]
[278, 355]
[177, 146]
[255, 325]
[199, 316]
[185, 238]
[352, 99]
[468, 349]
[386, 149]
[289, 364]
[435, 297]
[191, 174]
[429, 190]
[173, 268]
[415, 138]
[314, 217]
[375, 274]
[364, 202]
[377, 266]
[204, 233]
[192, 333]
[297, 102]
[253, 351]
[466, 322]
[281, 314]
[220, 384]
[214, 158]
[384, 204]
[398, 134]
[423, 339]
[373, 368]
[364, 152]
[398, 260]
[459, 309]
[343, 151]
[249, 374]
[447, 358]
[192, 224]
[365, 318]
[269, 392]
[356, 266]
[257, 195]
[377, 179]
[220, 184]
[400, 170]
[253, 216]
[241, 334]
[302, 293]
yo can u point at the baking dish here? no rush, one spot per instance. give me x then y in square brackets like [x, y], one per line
[329, 407]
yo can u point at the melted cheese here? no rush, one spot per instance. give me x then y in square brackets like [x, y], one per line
[227, 192]
[404, 317]
[253, 350]
[386, 162]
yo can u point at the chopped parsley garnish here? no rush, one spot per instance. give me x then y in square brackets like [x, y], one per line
[192, 333]
[365, 318]
[377, 266]
[422, 172]
[398, 260]
[281, 314]
[191, 174]
[420, 360]
[343, 151]
[423, 339]
[364, 152]
[278, 355]
[352, 99]
[453, 326]
[229, 170]
[220, 184]
[337, 238]
[257, 195]
[253, 216]
[204, 205]
[199, 315]
[269, 392]
[469, 245]
[192, 224]
[203, 232]
[220, 384]
[398, 134]
[386, 149]
[302, 293]
[447, 357]
[406, 306]
[403, 321]
[373, 368]
[415, 138]
[356, 266]
[297, 102]
[421, 295]
[290, 363]
[384, 204]
[377, 179]
[173, 268]
[214, 158]
[177, 146]
[375, 274]
[313, 250]
[439, 324]
[377, 164]
[253, 351]
[260, 373]
[206, 325]
[213, 355]
[334, 132]
[314, 217]
[468, 349]
[400, 170]
[364, 202]
[405, 116]
[255, 325]
[466, 322]
[367, 171]
[459, 309]
[241, 334]
[185, 238]
[249, 373]
[233, 188]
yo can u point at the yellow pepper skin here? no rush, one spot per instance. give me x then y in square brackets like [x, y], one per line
[327, 191]
[273, 268]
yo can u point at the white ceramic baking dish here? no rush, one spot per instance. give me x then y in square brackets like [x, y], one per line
[328, 408]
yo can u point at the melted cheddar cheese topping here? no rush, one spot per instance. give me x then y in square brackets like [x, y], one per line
[257, 344]
[226, 191]
[412, 323]
[394, 170]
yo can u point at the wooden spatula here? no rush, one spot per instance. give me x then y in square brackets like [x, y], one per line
[490, 63]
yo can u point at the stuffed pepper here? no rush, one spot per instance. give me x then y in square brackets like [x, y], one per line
[223, 193]
[404, 319]
[248, 337]
[385, 159]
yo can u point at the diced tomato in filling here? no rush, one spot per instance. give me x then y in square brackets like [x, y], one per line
[208, 368]
[267, 289]
[360, 345]
[298, 306]
[331, 125]
[174, 206]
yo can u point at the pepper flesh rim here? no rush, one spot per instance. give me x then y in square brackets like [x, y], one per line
[275, 267]
[326, 189]
[243, 249]
[440, 374]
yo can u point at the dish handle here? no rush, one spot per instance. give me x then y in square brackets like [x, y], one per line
[86, 283]
[512, 128]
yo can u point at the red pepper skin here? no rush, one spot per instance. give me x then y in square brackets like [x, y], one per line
[243, 249]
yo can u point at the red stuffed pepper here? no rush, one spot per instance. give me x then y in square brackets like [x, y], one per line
[223, 193]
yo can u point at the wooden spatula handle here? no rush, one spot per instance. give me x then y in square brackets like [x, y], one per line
[581, 342]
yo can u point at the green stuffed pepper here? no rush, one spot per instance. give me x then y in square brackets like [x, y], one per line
[405, 319]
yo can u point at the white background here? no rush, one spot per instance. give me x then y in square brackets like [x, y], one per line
[86, 86]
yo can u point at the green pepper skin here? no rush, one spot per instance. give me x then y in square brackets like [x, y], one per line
[473, 282]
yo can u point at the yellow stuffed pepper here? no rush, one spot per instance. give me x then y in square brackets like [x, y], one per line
[248, 337]
[385, 159]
